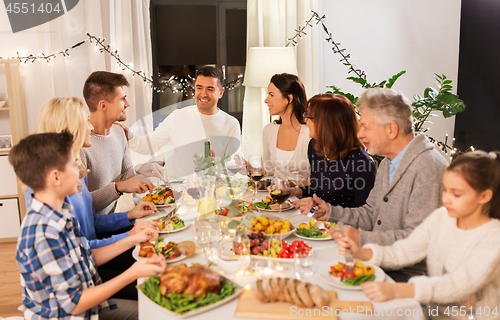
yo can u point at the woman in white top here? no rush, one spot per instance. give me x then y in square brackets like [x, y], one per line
[285, 140]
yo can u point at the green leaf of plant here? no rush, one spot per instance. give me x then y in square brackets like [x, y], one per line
[391, 80]
[430, 92]
[359, 80]
[447, 81]
[233, 224]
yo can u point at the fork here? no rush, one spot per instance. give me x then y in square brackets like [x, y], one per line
[349, 260]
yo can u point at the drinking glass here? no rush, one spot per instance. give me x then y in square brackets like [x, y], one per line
[235, 163]
[255, 171]
[280, 191]
[194, 187]
[303, 261]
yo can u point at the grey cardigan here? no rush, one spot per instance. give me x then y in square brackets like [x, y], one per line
[393, 211]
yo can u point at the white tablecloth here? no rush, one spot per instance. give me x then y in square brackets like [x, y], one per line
[326, 254]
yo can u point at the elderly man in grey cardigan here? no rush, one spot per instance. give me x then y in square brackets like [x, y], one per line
[408, 182]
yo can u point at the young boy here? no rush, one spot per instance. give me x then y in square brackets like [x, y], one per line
[58, 269]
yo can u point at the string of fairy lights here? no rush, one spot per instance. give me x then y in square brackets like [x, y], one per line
[174, 83]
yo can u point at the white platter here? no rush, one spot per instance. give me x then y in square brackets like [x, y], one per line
[161, 313]
[186, 225]
[135, 255]
[334, 281]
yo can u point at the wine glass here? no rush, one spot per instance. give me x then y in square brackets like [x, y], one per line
[235, 163]
[280, 191]
[194, 187]
[255, 171]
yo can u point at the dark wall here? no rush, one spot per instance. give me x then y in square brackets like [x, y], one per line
[478, 76]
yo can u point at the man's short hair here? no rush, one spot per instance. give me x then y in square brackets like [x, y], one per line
[211, 72]
[388, 105]
[37, 154]
[100, 85]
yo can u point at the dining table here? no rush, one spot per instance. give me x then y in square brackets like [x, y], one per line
[325, 255]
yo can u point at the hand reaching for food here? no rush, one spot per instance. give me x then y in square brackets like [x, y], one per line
[141, 225]
[143, 208]
[148, 267]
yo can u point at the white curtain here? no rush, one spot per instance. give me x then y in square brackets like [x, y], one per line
[269, 24]
[124, 24]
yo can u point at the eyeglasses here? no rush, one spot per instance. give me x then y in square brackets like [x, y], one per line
[306, 116]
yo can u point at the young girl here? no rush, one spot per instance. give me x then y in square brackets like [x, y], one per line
[460, 241]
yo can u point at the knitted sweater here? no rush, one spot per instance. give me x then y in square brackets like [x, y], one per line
[108, 161]
[393, 211]
[459, 262]
[298, 168]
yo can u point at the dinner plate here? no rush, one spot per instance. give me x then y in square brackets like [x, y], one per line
[186, 225]
[292, 206]
[334, 281]
[310, 238]
[177, 196]
[282, 260]
[319, 225]
[135, 255]
[155, 311]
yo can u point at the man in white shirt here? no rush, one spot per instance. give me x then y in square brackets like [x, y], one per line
[188, 128]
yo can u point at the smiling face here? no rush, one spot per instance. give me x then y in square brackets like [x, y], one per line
[374, 136]
[116, 107]
[460, 199]
[69, 177]
[207, 92]
[89, 127]
[276, 103]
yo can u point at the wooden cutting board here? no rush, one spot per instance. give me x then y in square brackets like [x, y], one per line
[250, 307]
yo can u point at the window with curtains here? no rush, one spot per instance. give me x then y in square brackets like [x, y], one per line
[189, 34]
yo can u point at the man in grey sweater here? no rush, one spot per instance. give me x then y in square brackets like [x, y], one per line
[112, 172]
[408, 182]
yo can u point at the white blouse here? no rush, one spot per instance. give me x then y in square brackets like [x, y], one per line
[292, 165]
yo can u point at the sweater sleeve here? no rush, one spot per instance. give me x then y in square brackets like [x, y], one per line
[360, 217]
[408, 251]
[99, 243]
[111, 222]
[102, 197]
[158, 138]
[476, 271]
[424, 198]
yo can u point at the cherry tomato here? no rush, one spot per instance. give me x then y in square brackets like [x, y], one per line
[150, 254]
[337, 273]
[285, 255]
[349, 275]
[344, 269]
[296, 243]
[338, 266]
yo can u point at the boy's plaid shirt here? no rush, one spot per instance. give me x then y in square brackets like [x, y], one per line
[54, 270]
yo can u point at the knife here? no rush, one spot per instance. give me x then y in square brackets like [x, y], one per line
[349, 261]
[169, 215]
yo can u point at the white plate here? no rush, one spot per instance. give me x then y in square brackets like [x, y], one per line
[292, 206]
[309, 238]
[135, 255]
[282, 260]
[177, 196]
[160, 312]
[334, 281]
[186, 224]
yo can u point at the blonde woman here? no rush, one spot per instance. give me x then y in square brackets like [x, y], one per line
[60, 114]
